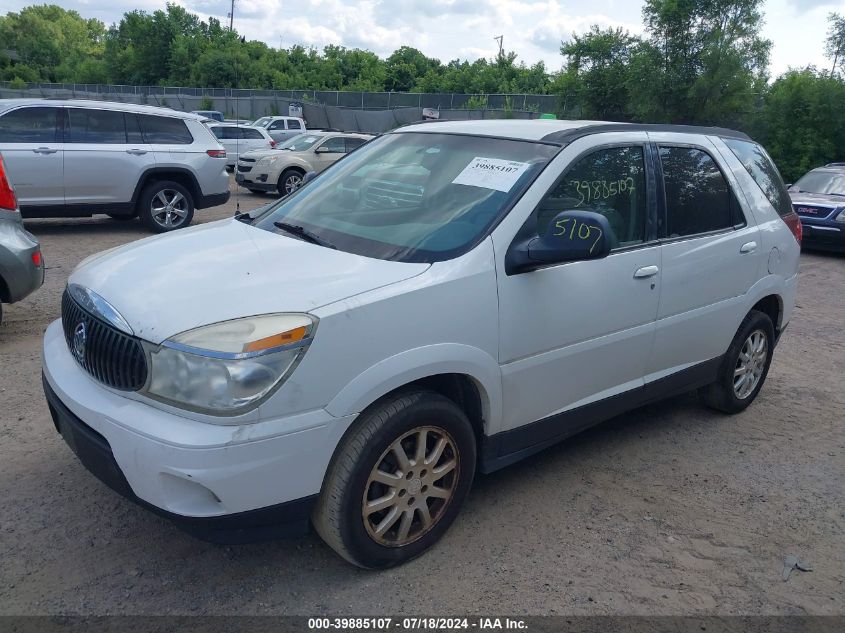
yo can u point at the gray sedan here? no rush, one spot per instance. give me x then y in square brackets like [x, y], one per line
[21, 263]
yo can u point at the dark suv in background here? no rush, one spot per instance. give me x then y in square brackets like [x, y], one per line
[819, 200]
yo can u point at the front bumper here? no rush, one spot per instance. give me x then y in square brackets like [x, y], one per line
[251, 182]
[823, 234]
[226, 483]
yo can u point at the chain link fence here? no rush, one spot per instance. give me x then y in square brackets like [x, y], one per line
[261, 102]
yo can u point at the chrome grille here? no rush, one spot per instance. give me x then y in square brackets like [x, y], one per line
[109, 355]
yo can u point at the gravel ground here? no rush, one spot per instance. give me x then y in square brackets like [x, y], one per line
[671, 509]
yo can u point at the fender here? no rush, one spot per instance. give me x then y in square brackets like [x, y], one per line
[768, 285]
[197, 191]
[422, 362]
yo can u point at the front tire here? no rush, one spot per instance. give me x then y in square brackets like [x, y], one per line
[397, 481]
[165, 206]
[744, 367]
[289, 181]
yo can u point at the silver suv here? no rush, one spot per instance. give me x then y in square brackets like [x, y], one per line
[77, 158]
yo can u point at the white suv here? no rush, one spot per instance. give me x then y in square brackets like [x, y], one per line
[449, 299]
[77, 158]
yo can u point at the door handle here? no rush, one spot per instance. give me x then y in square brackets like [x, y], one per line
[646, 272]
[45, 150]
[748, 247]
[136, 152]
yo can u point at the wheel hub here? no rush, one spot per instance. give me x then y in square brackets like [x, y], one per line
[750, 364]
[410, 486]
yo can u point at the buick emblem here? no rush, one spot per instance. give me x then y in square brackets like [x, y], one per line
[79, 337]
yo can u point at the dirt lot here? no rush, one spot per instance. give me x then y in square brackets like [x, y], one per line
[671, 509]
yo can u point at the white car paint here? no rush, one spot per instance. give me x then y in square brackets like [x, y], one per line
[239, 139]
[533, 344]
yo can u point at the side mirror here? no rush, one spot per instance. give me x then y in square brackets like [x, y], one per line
[570, 236]
[308, 177]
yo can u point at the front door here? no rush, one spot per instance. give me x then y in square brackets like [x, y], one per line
[328, 152]
[32, 148]
[576, 333]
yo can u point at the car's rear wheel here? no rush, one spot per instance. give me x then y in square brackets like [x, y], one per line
[398, 480]
[744, 367]
[165, 206]
[290, 181]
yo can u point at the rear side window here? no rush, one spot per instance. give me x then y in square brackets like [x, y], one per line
[698, 198]
[293, 124]
[249, 133]
[29, 125]
[757, 163]
[608, 181]
[219, 132]
[95, 126]
[165, 130]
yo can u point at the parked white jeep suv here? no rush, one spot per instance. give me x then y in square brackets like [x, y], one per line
[78, 158]
[449, 299]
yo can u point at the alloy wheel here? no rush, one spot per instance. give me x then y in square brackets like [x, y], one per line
[292, 183]
[169, 208]
[410, 486]
[750, 364]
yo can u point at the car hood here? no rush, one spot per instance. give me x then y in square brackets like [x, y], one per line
[224, 270]
[260, 153]
[817, 199]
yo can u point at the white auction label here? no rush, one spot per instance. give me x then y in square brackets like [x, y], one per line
[491, 173]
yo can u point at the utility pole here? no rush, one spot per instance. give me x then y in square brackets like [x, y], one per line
[500, 39]
[232, 16]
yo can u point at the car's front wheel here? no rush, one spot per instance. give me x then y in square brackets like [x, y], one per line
[397, 481]
[165, 206]
[289, 181]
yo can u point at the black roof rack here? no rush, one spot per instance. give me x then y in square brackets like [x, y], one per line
[567, 136]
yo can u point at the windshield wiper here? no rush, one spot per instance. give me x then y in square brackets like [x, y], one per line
[305, 234]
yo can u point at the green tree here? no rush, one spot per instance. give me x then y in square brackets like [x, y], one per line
[835, 41]
[802, 121]
[596, 72]
[712, 59]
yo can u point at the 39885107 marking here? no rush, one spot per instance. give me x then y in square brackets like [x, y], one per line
[351, 624]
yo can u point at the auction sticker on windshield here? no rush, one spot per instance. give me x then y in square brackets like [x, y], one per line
[491, 173]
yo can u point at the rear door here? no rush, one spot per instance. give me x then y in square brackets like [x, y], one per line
[710, 253]
[32, 148]
[104, 157]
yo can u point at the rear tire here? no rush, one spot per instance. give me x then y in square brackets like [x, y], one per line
[165, 206]
[744, 367]
[378, 509]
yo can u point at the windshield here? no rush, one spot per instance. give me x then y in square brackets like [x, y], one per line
[828, 182]
[414, 197]
[262, 122]
[300, 142]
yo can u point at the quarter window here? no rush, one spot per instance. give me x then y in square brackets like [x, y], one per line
[757, 163]
[96, 126]
[698, 198]
[608, 181]
[165, 130]
[29, 125]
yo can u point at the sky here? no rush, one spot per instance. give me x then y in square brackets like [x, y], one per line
[465, 29]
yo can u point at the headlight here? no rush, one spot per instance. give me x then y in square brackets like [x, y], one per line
[226, 368]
